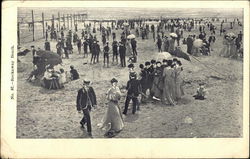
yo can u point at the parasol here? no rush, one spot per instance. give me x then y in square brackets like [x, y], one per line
[49, 57]
[173, 35]
[125, 24]
[198, 43]
[162, 55]
[231, 34]
[131, 36]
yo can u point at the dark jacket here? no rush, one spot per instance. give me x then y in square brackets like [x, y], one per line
[144, 78]
[83, 96]
[74, 74]
[106, 49]
[133, 87]
[122, 51]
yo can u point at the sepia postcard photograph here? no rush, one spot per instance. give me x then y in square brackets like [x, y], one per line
[142, 79]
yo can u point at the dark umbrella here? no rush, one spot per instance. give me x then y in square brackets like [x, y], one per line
[179, 53]
[50, 58]
[22, 51]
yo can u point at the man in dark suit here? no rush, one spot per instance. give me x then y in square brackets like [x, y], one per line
[189, 44]
[106, 54]
[47, 45]
[122, 52]
[115, 51]
[86, 99]
[134, 89]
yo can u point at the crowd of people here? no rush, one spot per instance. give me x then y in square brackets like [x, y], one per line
[157, 80]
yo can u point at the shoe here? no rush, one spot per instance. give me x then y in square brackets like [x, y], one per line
[124, 113]
[90, 134]
[82, 124]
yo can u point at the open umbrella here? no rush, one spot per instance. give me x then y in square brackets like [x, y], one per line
[162, 55]
[50, 58]
[173, 35]
[198, 43]
[179, 53]
[131, 36]
[22, 51]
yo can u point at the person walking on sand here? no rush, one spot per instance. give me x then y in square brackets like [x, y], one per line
[134, 89]
[168, 97]
[86, 99]
[113, 120]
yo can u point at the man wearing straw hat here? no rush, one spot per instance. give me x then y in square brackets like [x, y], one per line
[86, 99]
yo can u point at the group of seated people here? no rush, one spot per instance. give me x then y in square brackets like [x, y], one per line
[53, 79]
[56, 79]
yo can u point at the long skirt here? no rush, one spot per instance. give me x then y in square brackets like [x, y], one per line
[196, 51]
[113, 117]
[233, 51]
[167, 96]
[157, 87]
[225, 51]
[179, 88]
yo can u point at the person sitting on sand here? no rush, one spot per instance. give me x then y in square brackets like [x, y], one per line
[73, 73]
[62, 77]
[201, 92]
[50, 79]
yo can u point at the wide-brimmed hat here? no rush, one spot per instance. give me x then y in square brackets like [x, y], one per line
[131, 65]
[147, 63]
[113, 80]
[86, 81]
[153, 61]
[158, 62]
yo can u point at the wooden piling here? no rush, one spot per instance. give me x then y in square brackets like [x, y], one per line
[64, 21]
[68, 21]
[59, 20]
[33, 25]
[71, 20]
[18, 33]
[43, 25]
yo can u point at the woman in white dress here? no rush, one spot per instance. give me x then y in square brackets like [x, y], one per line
[128, 48]
[112, 120]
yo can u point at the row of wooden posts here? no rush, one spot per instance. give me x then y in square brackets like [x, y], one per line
[71, 19]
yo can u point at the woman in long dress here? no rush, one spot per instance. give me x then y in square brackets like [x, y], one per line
[112, 120]
[157, 83]
[128, 48]
[233, 50]
[171, 45]
[225, 50]
[168, 88]
[179, 92]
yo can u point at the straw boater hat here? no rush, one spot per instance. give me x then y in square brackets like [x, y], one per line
[86, 82]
